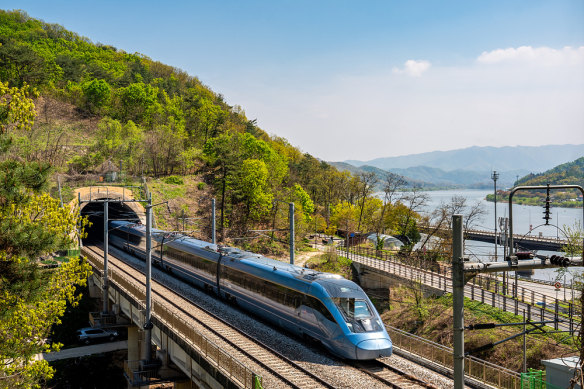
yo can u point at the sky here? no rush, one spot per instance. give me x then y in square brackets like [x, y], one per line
[357, 80]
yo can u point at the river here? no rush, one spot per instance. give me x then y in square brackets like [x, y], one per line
[525, 217]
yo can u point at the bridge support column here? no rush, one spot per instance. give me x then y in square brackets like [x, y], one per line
[186, 384]
[133, 343]
[94, 290]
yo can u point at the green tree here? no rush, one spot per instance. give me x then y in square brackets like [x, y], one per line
[575, 236]
[253, 184]
[20, 65]
[138, 101]
[223, 154]
[31, 224]
[97, 94]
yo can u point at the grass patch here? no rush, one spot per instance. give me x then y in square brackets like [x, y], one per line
[331, 263]
[174, 180]
[437, 326]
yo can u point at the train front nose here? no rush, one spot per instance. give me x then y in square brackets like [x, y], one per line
[373, 348]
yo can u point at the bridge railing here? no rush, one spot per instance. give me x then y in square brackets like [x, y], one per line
[476, 368]
[483, 288]
[213, 353]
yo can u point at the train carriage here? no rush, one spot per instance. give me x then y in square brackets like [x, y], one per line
[321, 306]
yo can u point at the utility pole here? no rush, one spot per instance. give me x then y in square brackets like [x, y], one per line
[495, 177]
[462, 271]
[105, 253]
[291, 217]
[524, 343]
[505, 248]
[147, 347]
[314, 231]
[213, 235]
[347, 239]
[80, 241]
[458, 300]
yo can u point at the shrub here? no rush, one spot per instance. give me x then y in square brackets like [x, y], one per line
[201, 186]
[174, 180]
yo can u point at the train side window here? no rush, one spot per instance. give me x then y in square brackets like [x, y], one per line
[318, 306]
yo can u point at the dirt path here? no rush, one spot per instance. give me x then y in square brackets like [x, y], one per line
[301, 259]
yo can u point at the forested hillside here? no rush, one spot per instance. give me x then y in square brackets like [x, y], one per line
[571, 173]
[564, 174]
[100, 107]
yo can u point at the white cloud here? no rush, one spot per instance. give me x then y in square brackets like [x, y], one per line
[505, 98]
[544, 56]
[413, 68]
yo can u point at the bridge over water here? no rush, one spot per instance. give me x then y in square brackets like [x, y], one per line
[526, 241]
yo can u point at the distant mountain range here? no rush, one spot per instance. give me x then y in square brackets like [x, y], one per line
[411, 182]
[470, 167]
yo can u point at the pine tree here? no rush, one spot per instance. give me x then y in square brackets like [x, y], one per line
[31, 224]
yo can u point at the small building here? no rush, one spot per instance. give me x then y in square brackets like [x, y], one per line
[559, 372]
[108, 172]
[389, 242]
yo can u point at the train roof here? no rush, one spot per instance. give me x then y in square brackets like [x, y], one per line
[169, 237]
[264, 263]
[188, 242]
[257, 261]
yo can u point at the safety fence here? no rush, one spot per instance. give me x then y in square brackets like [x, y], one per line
[474, 367]
[175, 321]
[484, 288]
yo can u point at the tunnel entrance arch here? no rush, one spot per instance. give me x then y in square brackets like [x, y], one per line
[92, 206]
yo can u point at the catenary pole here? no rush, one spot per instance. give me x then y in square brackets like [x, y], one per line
[524, 344]
[291, 216]
[105, 254]
[79, 222]
[495, 176]
[458, 300]
[347, 239]
[147, 349]
[213, 236]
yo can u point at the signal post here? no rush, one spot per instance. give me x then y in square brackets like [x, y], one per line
[463, 271]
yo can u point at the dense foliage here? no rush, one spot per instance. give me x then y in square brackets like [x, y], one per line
[150, 119]
[570, 173]
[31, 224]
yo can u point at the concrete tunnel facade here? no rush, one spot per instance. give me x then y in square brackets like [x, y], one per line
[121, 207]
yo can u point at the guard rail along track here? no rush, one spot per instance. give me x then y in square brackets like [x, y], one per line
[286, 370]
[290, 373]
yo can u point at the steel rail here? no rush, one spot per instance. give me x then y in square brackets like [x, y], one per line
[392, 376]
[229, 341]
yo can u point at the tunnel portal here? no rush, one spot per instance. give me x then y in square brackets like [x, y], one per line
[121, 206]
[95, 213]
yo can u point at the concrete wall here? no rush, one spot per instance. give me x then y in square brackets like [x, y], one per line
[184, 356]
[372, 278]
[109, 192]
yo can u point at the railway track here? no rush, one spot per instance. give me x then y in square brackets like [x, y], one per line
[391, 376]
[287, 371]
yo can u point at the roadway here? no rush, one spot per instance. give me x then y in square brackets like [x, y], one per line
[77, 352]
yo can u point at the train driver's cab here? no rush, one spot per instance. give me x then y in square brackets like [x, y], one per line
[354, 305]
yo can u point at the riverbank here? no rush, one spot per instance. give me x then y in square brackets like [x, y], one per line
[537, 200]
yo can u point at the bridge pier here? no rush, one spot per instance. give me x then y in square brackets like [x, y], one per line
[133, 343]
[191, 363]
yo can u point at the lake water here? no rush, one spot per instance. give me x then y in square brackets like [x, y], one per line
[525, 217]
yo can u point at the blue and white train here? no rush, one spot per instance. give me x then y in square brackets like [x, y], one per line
[320, 306]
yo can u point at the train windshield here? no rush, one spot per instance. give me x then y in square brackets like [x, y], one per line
[354, 305]
[353, 308]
